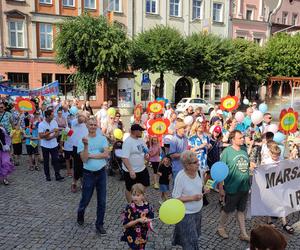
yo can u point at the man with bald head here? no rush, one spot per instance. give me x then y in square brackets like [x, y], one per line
[247, 120]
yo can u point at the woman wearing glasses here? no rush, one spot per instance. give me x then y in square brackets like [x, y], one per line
[188, 189]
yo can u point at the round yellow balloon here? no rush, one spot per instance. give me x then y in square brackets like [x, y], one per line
[118, 134]
[172, 211]
[111, 112]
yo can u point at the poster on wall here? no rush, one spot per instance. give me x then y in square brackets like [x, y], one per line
[125, 97]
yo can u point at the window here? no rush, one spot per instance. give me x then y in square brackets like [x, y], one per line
[46, 78]
[199, 101]
[46, 1]
[284, 17]
[294, 19]
[197, 9]
[217, 12]
[249, 14]
[175, 8]
[151, 6]
[20, 80]
[16, 34]
[257, 40]
[90, 4]
[115, 5]
[46, 36]
[68, 3]
[66, 88]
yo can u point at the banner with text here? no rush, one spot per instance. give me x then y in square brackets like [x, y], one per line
[276, 189]
[47, 90]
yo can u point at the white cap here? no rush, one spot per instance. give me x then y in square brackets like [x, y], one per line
[220, 112]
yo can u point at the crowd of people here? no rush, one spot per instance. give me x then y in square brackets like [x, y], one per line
[181, 161]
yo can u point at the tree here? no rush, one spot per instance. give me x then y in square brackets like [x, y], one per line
[209, 58]
[250, 59]
[95, 48]
[283, 55]
[159, 49]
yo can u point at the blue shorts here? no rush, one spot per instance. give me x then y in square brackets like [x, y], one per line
[164, 188]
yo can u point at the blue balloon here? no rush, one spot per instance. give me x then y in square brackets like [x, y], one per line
[219, 171]
[73, 110]
[263, 108]
[279, 137]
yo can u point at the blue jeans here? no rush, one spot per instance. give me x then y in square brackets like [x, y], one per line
[90, 181]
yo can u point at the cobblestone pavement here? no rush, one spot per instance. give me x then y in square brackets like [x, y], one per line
[35, 214]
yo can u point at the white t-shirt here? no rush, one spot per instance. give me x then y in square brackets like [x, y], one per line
[43, 126]
[186, 186]
[102, 117]
[134, 150]
[79, 131]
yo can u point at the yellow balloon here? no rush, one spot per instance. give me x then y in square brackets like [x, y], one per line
[172, 211]
[111, 112]
[118, 134]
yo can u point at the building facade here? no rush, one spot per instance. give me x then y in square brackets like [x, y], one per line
[286, 17]
[27, 31]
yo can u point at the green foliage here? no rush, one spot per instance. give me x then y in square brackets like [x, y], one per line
[283, 55]
[251, 63]
[94, 47]
[209, 58]
[159, 49]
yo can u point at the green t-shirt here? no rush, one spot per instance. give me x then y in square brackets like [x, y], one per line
[238, 164]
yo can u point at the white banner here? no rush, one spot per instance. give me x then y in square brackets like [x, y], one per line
[276, 189]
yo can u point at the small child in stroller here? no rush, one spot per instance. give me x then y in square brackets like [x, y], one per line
[115, 162]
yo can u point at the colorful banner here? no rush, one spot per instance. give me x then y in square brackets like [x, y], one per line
[48, 90]
[275, 189]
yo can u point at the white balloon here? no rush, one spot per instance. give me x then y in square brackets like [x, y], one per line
[273, 128]
[257, 117]
[246, 101]
[188, 120]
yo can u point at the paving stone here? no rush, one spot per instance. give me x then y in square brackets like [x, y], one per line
[35, 214]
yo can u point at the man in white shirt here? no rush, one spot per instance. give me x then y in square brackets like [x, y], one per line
[134, 153]
[48, 132]
[101, 115]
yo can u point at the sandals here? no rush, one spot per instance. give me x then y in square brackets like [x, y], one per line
[288, 229]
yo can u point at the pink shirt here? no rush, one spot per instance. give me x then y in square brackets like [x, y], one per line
[154, 153]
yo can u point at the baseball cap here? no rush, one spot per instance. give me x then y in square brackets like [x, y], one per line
[180, 125]
[136, 127]
[218, 129]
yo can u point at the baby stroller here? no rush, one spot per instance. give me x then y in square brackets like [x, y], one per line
[115, 162]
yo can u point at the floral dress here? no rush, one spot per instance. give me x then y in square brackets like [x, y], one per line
[136, 236]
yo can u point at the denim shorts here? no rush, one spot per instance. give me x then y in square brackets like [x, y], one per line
[164, 188]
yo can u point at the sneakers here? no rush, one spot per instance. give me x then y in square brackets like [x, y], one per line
[100, 230]
[5, 182]
[37, 168]
[222, 233]
[156, 186]
[80, 218]
[244, 237]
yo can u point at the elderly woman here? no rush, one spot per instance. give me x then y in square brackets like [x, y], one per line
[188, 189]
